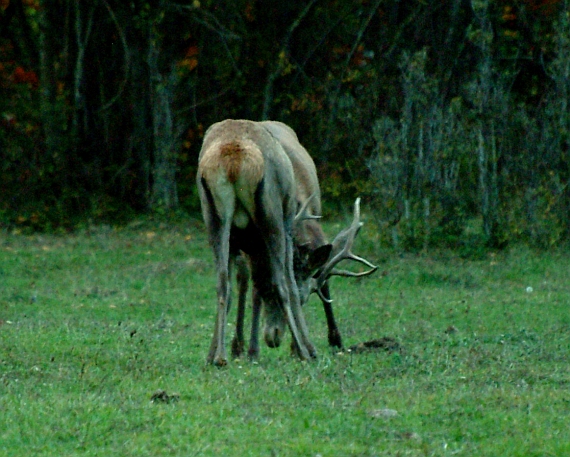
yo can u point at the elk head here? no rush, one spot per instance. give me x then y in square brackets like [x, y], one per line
[341, 249]
[313, 267]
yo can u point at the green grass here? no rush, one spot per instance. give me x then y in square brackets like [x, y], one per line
[93, 324]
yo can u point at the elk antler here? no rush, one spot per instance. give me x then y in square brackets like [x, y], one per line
[303, 213]
[341, 250]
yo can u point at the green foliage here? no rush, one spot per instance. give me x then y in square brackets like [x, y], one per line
[481, 154]
[104, 333]
[435, 113]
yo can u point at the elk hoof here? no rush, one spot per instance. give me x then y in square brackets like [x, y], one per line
[237, 348]
[253, 354]
[335, 339]
[220, 362]
[310, 350]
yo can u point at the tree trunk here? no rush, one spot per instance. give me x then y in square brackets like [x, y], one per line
[82, 33]
[483, 181]
[53, 119]
[164, 191]
[489, 186]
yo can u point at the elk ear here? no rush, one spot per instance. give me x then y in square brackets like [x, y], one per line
[318, 257]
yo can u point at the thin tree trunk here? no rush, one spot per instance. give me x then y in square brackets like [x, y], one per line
[489, 185]
[279, 65]
[427, 214]
[164, 190]
[82, 33]
[327, 143]
[142, 133]
[483, 181]
[53, 119]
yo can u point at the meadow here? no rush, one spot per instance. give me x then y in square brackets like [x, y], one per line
[104, 334]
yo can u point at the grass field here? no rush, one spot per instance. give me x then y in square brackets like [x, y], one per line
[93, 325]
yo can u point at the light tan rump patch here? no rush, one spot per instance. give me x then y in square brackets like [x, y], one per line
[231, 156]
[239, 161]
[252, 166]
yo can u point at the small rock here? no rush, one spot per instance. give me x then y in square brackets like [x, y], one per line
[410, 436]
[384, 413]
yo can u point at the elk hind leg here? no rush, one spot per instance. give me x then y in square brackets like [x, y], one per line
[217, 353]
[253, 351]
[242, 277]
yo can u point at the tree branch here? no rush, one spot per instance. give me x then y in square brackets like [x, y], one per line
[281, 59]
[127, 59]
[217, 27]
[355, 45]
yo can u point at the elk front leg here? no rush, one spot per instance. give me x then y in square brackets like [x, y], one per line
[302, 343]
[335, 340]
[281, 299]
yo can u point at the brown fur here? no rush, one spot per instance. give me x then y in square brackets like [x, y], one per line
[239, 160]
[232, 156]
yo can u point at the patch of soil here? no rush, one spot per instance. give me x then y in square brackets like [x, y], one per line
[385, 343]
[160, 396]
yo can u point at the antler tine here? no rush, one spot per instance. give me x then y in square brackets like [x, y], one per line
[322, 296]
[352, 274]
[303, 213]
[347, 273]
[342, 245]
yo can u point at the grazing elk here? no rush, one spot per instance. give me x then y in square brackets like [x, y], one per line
[246, 183]
[314, 258]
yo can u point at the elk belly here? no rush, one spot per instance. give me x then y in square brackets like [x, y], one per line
[241, 218]
[245, 205]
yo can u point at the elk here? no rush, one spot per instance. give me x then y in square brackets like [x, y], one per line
[314, 259]
[246, 184]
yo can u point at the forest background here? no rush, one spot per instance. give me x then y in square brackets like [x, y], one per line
[450, 118]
